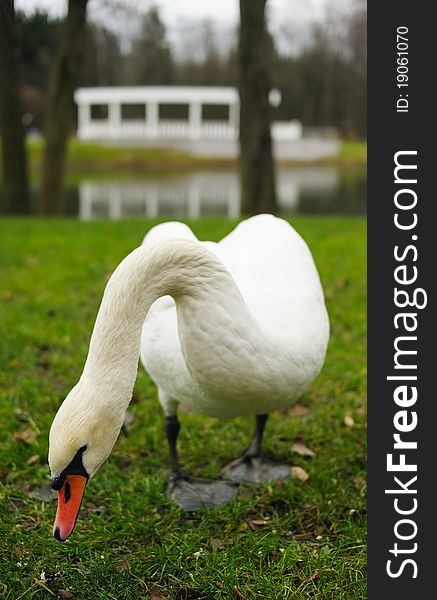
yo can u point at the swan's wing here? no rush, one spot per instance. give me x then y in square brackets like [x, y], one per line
[275, 272]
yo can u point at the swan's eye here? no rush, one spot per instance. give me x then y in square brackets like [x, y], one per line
[74, 468]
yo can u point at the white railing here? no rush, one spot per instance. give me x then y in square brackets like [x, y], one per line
[163, 129]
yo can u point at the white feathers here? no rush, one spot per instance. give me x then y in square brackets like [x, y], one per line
[234, 328]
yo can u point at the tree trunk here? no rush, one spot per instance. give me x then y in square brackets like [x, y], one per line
[258, 192]
[16, 197]
[63, 80]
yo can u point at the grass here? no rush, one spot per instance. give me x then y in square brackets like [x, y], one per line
[293, 540]
[92, 158]
[354, 152]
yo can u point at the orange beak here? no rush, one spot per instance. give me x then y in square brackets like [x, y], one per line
[69, 500]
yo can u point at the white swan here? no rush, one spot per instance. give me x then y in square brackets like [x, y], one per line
[234, 328]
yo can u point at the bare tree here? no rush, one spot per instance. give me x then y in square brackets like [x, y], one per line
[256, 163]
[63, 80]
[14, 161]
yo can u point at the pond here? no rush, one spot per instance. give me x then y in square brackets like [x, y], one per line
[301, 190]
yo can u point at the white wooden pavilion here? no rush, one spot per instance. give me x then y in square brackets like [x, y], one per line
[198, 119]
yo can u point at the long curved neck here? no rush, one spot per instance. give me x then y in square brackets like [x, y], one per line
[211, 313]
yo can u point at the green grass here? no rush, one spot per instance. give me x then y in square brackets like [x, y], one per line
[353, 152]
[130, 541]
[93, 159]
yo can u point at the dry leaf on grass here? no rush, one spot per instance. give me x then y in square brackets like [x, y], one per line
[311, 578]
[298, 411]
[27, 436]
[255, 523]
[237, 593]
[32, 460]
[65, 595]
[220, 585]
[299, 473]
[217, 543]
[157, 594]
[302, 450]
[342, 284]
[359, 482]
[348, 421]
[122, 566]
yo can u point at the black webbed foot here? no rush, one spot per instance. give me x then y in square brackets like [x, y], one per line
[192, 493]
[254, 470]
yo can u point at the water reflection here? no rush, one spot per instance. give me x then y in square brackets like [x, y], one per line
[202, 194]
[301, 189]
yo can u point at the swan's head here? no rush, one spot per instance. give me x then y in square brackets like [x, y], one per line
[82, 436]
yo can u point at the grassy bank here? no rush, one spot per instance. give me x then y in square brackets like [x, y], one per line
[292, 540]
[87, 157]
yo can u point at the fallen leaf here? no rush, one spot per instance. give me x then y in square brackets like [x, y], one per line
[276, 555]
[311, 578]
[122, 566]
[27, 436]
[342, 284]
[65, 595]
[302, 450]
[237, 593]
[299, 473]
[156, 594]
[32, 460]
[18, 551]
[217, 543]
[219, 584]
[298, 411]
[348, 421]
[359, 482]
[259, 523]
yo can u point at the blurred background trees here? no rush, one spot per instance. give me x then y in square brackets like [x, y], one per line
[321, 75]
[63, 80]
[255, 53]
[319, 69]
[14, 159]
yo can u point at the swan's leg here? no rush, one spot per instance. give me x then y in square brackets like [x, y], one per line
[254, 448]
[172, 428]
[250, 467]
[191, 493]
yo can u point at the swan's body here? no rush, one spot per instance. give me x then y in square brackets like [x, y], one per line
[234, 328]
[252, 342]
